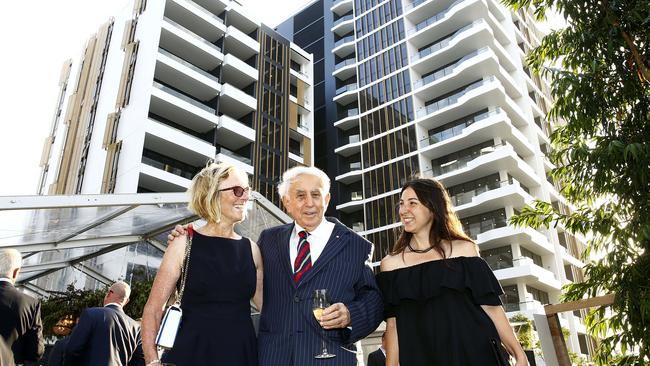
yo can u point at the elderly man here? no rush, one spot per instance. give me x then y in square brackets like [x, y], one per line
[106, 335]
[309, 254]
[20, 315]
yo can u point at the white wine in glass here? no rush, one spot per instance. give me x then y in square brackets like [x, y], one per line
[320, 303]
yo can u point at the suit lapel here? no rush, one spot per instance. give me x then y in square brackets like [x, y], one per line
[334, 245]
[282, 248]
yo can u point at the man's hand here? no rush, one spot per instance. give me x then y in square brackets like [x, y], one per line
[178, 231]
[335, 316]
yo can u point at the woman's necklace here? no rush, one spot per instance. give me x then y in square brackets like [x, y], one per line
[420, 251]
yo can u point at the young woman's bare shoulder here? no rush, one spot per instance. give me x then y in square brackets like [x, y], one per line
[391, 262]
[464, 248]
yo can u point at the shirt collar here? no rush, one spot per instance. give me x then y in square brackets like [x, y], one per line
[318, 231]
[4, 279]
[113, 303]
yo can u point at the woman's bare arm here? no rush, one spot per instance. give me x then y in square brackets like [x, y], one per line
[163, 286]
[259, 268]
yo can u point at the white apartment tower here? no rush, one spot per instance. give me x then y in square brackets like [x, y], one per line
[165, 87]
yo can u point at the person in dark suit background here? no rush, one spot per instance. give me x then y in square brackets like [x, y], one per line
[336, 259]
[21, 326]
[378, 357]
[106, 335]
[57, 352]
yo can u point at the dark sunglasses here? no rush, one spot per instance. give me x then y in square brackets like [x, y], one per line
[238, 191]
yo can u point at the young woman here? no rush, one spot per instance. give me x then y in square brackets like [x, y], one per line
[441, 299]
[224, 274]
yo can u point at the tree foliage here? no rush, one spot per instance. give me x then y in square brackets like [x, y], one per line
[598, 67]
[74, 301]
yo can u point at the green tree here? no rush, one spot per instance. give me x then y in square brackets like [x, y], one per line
[598, 71]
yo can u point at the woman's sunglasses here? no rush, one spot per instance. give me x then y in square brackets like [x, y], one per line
[238, 191]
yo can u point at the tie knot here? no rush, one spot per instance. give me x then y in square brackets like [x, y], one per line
[303, 234]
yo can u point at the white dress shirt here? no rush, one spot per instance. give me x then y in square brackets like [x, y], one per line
[5, 279]
[317, 240]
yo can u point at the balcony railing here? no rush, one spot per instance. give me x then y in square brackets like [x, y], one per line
[476, 228]
[341, 41]
[184, 97]
[342, 20]
[466, 197]
[427, 22]
[446, 71]
[168, 168]
[349, 113]
[444, 43]
[346, 88]
[223, 150]
[358, 226]
[187, 64]
[433, 107]
[412, 5]
[353, 139]
[457, 129]
[461, 162]
[342, 64]
[356, 196]
[354, 166]
[337, 2]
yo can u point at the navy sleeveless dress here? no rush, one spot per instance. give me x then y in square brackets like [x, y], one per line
[437, 308]
[217, 328]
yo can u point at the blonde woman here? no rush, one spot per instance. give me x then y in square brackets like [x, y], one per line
[224, 274]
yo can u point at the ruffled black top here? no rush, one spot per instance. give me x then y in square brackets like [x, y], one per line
[437, 307]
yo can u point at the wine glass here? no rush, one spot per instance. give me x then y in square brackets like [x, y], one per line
[321, 302]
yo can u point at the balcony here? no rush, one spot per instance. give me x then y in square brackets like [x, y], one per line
[534, 275]
[196, 19]
[358, 226]
[187, 147]
[348, 119]
[240, 18]
[351, 173]
[181, 109]
[346, 94]
[491, 196]
[238, 73]
[351, 146]
[343, 25]
[213, 6]
[442, 103]
[345, 69]
[235, 102]
[240, 44]
[186, 77]
[470, 130]
[344, 46]
[233, 134]
[341, 7]
[180, 41]
[354, 203]
[230, 157]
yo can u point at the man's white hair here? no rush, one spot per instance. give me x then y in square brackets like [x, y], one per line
[10, 259]
[290, 176]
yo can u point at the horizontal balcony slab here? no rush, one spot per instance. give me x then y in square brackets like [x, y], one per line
[528, 238]
[235, 103]
[184, 76]
[531, 274]
[240, 44]
[344, 47]
[233, 134]
[350, 206]
[180, 111]
[187, 148]
[343, 25]
[350, 177]
[196, 19]
[195, 50]
[340, 7]
[238, 73]
[242, 19]
[510, 195]
[158, 180]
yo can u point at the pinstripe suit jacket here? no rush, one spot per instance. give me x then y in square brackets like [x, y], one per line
[289, 335]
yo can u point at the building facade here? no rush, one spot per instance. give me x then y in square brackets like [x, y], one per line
[159, 91]
[440, 88]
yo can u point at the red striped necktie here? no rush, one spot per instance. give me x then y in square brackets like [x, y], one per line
[302, 264]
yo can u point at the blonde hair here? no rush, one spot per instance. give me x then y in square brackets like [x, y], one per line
[204, 190]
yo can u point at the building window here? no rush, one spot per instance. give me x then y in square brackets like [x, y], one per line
[498, 258]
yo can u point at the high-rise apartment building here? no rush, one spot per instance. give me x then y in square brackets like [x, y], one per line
[160, 90]
[440, 88]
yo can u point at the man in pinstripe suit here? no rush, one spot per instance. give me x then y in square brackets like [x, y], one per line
[314, 253]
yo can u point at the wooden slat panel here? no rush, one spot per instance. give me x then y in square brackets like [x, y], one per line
[45, 154]
[580, 304]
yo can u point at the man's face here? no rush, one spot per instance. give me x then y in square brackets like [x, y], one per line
[307, 201]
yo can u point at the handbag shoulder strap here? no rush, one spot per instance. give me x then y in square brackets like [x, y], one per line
[186, 264]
